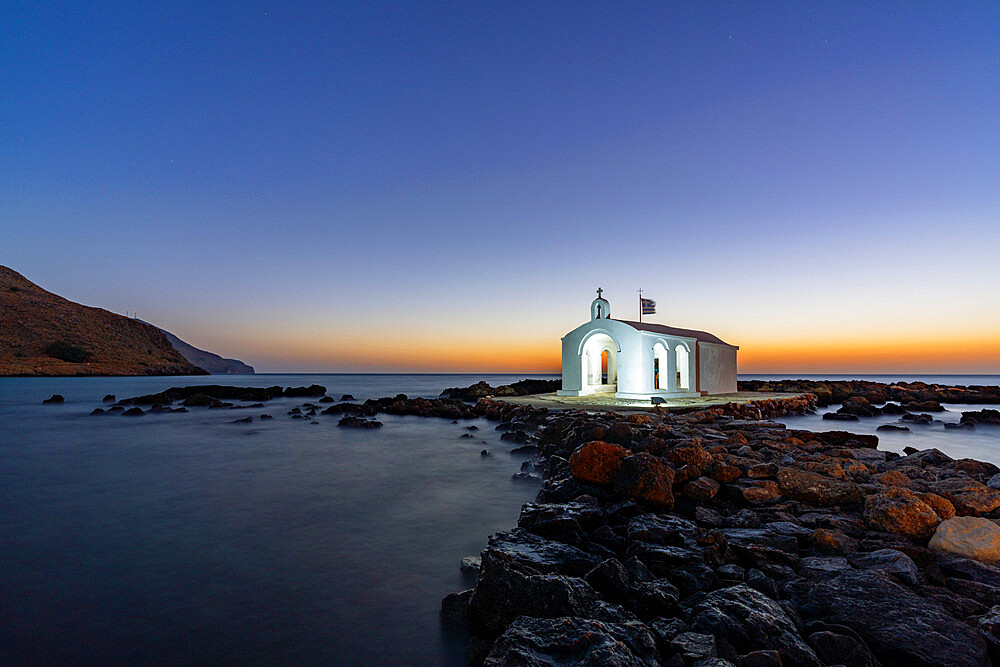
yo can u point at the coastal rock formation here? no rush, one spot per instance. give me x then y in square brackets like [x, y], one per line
[520, 388]
[914, 396]
[44, 334]
[732, 540]
[573, 641]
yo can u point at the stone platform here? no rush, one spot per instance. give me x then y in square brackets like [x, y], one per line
[605, 403]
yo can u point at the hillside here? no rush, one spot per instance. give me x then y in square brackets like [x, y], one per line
[33, 319]
[210, 361]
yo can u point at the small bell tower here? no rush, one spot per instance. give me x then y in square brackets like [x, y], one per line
[600, 309]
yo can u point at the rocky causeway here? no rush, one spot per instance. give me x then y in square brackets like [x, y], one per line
[717, 537]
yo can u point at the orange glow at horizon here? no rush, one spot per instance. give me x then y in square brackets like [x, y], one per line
[917, 354]
[423, 352]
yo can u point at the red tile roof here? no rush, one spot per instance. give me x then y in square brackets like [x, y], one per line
[702, 336]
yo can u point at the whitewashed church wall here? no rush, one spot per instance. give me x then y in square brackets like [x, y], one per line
[717, 368]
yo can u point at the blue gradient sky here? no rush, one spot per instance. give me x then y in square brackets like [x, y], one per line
[441, 187]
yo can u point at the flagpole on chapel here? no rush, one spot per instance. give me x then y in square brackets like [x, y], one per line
[640, 305]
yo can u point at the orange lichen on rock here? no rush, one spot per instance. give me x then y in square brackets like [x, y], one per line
[597, 461]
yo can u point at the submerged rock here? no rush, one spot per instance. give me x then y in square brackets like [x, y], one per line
[356, 422]
[892, 427]
[54, 399]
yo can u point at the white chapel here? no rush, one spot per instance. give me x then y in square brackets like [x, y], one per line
[642, 360]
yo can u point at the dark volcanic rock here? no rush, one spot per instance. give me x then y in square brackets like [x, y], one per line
[743, 620]
[54, 398]
[892, 427]
[573, 641]
[109, 398]
[899, 627]
[840, 416]
[521, 388]
[212, 391]
[508, 588]
[134, 412]
[358, 422]
[840, 649]
[981, 417]
[314, 390]
[541, 555]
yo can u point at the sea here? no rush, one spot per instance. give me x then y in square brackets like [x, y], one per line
[187, 538]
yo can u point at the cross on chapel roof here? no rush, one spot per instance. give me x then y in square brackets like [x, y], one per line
[599, 290]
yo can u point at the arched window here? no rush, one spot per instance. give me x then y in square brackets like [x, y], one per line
[660, 366]
[683, 381]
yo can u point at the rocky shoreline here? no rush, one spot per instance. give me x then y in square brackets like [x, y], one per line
[716, 537]
[828, 392]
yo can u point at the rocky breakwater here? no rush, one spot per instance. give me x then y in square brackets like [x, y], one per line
[717, 538]
[829, 392]
[520, 388]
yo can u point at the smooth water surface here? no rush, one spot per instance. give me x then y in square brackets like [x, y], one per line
[982, 442]
[185, 537]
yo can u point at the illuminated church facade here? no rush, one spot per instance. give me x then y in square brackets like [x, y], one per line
[641, 359]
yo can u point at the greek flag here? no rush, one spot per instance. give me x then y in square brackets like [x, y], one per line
[648, 306]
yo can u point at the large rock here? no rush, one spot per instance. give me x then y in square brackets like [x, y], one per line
[573, 641]
[663, 529]
[969, 537]
[840, 649]
[506, 590]
[899, 510]
[744, 620]
[900, 628]
[967, 495]
[566, 522]
[815, 489]
[892, 561]
[543, 556]
[966, 568]
[647, 478]
[597, 461]
[989, 628]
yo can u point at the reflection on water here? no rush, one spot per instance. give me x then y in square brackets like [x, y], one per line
[185, 537]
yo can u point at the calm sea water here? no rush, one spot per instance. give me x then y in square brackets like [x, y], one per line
[185, 538]
[981, 443]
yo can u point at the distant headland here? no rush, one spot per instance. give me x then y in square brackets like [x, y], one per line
[43, 334]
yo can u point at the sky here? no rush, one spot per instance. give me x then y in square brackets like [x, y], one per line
[442, 186]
